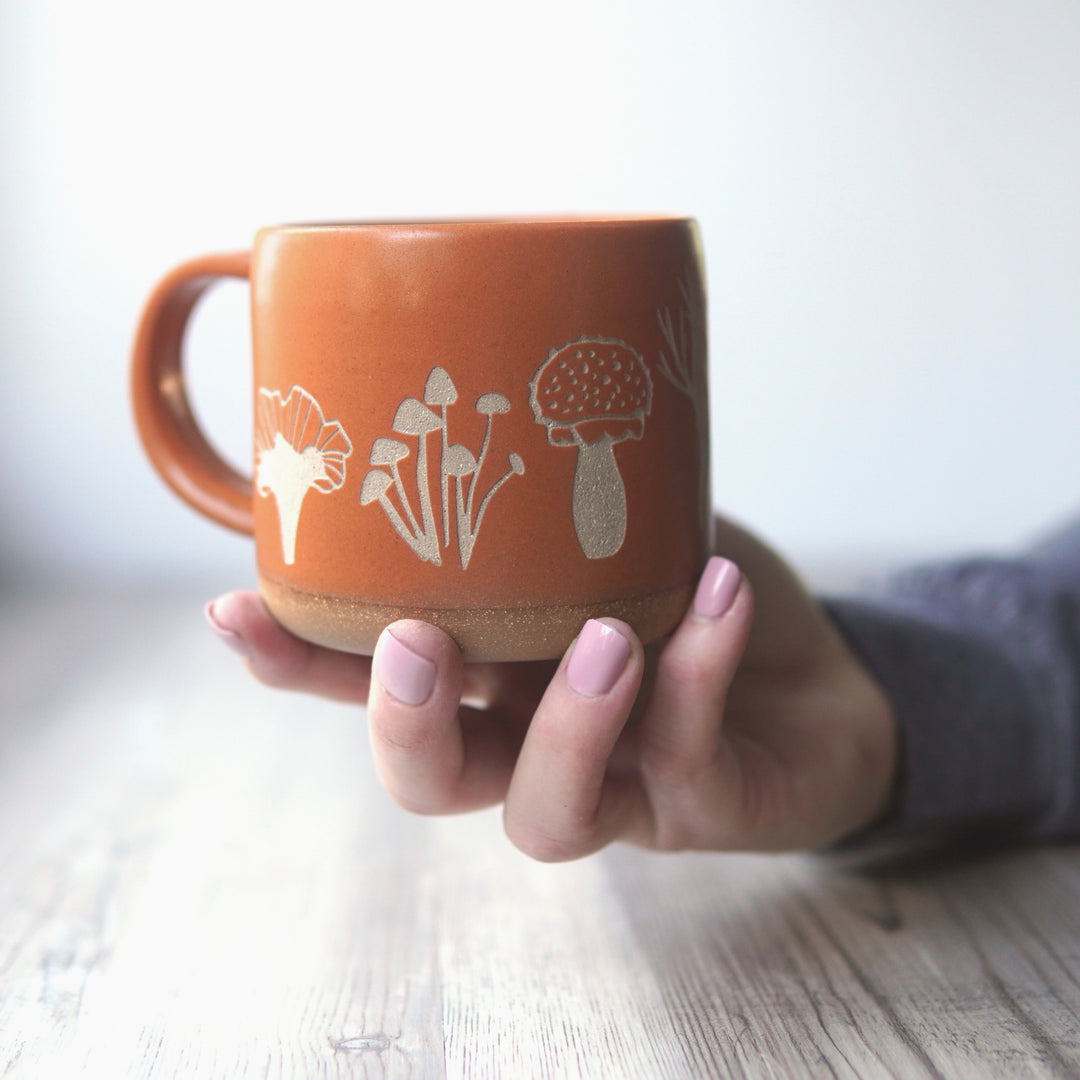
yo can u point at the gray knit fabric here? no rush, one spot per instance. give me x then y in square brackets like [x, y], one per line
[981, 660]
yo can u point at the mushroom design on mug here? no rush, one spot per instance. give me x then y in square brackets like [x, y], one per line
[296, 450]
[457, 464]
[591, 394]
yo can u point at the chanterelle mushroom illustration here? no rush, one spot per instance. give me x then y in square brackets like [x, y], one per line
[592, 394]
[295, 451]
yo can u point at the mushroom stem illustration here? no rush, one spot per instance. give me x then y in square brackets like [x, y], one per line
[517, 467]
[459, 464]
[592, 394]
[374, 488]
[599, 499]
[487, 405]
[389, 452]
[413, 417]
[440, 390]
[288, 475]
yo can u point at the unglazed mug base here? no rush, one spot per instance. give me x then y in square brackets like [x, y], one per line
[522, 632]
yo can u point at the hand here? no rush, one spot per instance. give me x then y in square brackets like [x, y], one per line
[753, 727]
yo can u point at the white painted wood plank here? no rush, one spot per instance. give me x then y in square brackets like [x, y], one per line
[538, 965]
[797, 967]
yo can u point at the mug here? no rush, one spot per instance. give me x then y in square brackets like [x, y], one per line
[500, 427]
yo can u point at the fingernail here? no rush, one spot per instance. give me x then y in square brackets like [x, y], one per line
[230, 637]
[600, 653]
[404, 674]
[717, 588]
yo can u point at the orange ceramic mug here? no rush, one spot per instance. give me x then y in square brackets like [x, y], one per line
[497, 426]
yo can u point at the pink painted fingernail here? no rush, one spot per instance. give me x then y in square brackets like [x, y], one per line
[717, 588]
[600, 653]
[231, 638]
[404, 674]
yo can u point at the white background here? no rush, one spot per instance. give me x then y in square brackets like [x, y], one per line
[889, 194]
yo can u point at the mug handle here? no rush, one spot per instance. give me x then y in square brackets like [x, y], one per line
[171, 436]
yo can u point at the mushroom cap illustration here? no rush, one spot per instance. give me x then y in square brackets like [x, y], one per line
[460, 461]
[439, 388]
[413, 417]
[591, 388]
[374, 486]
[387, 451]
[298, 421]
[491, 403]
[593, 393]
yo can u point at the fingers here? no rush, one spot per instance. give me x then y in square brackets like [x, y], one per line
[563, 802]
[685, 761]
[568, 795]
[571, 776]
[683, 719]
[282, 660]
[790, 629]
[564, 790]
[433, 755]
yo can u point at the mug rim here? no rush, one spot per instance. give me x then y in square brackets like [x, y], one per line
[542, 221]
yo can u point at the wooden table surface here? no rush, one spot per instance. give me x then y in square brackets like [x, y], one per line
[200, 877]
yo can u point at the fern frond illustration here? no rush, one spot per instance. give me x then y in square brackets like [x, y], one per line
[426, 532]
[685, 366]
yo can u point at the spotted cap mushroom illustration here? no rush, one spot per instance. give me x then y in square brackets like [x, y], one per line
[591, 394]
[296, 450]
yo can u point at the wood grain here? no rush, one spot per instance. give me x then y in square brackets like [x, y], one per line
[201, 878]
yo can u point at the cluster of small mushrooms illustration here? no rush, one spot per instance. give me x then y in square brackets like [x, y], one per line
[458, 467]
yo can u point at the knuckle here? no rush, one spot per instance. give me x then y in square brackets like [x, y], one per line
[545, 845]
[429, 793]
[670, 767]
[674, 834]
[403, 738]
[424, 805]
[688, 673]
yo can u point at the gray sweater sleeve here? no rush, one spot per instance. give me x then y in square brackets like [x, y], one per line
[981, 661]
